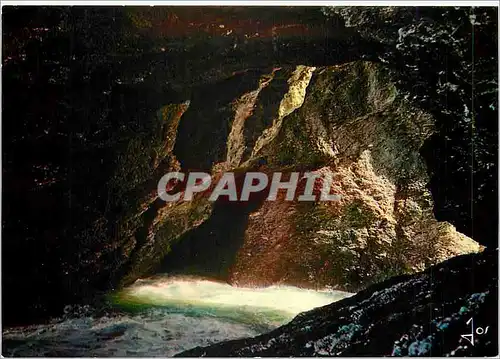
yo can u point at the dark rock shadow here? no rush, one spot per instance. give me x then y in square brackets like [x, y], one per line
[202, 134]
[210, 249]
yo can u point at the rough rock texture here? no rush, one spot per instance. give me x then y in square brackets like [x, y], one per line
[424, 314]
[100, 102]
[348, 121]
[444, 60]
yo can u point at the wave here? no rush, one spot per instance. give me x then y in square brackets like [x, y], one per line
[162, 316]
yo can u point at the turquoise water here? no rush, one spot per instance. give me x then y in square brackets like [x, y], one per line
[162, 316]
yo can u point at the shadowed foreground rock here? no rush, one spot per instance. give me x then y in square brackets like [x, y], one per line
[419, 315]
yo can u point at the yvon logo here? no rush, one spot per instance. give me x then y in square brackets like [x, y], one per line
[308, 186]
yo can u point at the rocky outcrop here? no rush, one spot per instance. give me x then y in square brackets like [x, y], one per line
[424, 314]
[444, 61]
[348, 121]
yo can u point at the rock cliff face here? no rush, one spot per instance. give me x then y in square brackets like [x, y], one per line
[97, 110]
[443, 61]
[345, 120]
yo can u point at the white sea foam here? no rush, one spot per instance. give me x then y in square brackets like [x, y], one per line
[287, 299]
[174, 315]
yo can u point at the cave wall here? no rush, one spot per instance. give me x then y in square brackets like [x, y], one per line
[348, 120]
[445, 61]
[95, 112]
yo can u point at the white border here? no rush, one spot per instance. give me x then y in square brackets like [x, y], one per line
[228, 3]
[253, 3]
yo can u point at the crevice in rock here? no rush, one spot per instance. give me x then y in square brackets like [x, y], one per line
[210, 249]
[205, 128]
[244, 109]
[266, 109]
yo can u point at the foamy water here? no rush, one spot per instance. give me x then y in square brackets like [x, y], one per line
[286, 299]
[163, 316]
